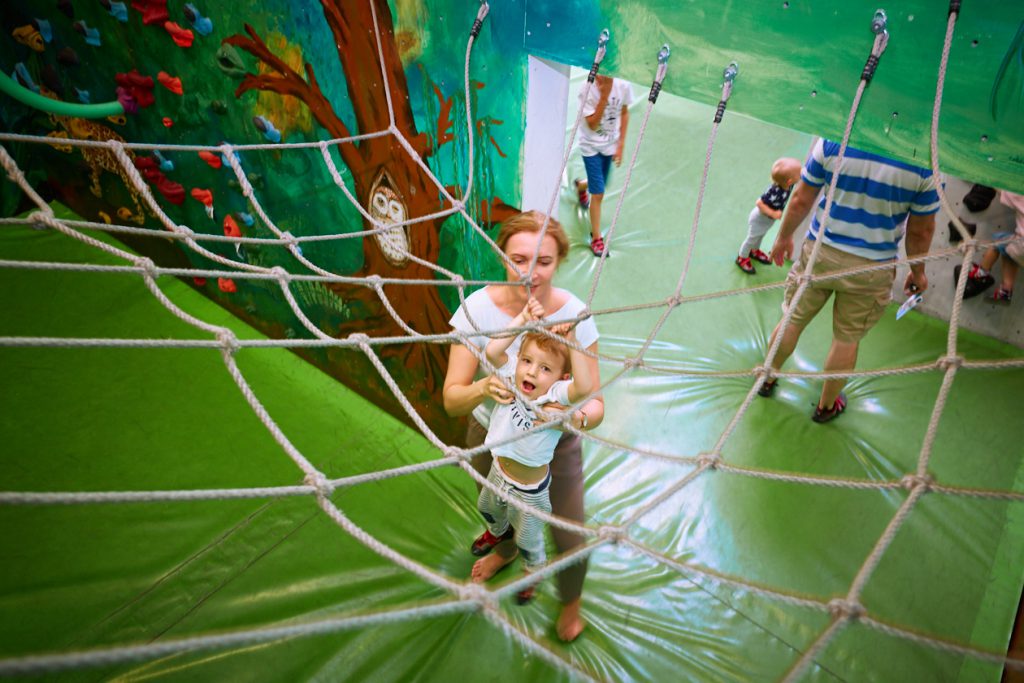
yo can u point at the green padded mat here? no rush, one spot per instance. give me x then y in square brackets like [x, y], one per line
[116, 419]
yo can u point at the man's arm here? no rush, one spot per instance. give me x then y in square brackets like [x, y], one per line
[919, 240]
[800, 204]
[604, 89]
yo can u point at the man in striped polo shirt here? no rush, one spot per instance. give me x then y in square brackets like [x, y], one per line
[876, 199]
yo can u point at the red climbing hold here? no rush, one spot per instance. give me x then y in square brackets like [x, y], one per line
[170, 82]
[201, 195]
[231, 228]
[212, 159]
[153, 11]
[138, 86]
[172, 191]
[167, 121]
[182, 36]
[226, 285]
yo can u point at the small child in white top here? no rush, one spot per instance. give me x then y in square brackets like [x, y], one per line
[550, 374]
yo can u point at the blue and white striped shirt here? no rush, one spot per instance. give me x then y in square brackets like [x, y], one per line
[873, 197]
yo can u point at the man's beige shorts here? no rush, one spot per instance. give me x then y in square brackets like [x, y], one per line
[860, 299]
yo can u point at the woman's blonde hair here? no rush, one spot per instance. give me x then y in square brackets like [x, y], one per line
[532, 221]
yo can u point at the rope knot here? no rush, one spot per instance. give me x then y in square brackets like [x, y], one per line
[673, 301]
[474, 592]
[763, 371]
[289, 239]
[373, 281]
[228, 341]
[804, 277]
[459, 205]
[41, 218]
[913, 481]
[845, 609]
[359, 338]
[455, 452]
[947, 362]
[631, 363]
[115, 145]
[281, 274]
[611, 533]
[185, 230]
[147, 266]
[320, 482]
[709, 460]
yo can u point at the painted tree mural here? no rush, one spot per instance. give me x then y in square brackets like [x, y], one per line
[388, 182]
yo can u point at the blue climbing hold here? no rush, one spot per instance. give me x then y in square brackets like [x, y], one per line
[246, 218]
[45, 30]
[83, 96]
[21, 76]
[166, 165]
[202, 25]
[267, 128]
[118, 10]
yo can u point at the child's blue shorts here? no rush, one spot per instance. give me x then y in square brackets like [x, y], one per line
[598, 167]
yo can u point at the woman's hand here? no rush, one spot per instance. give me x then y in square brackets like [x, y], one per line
[492, 387]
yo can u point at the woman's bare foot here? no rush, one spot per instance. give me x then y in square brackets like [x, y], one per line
[570, 624]
[488, 566]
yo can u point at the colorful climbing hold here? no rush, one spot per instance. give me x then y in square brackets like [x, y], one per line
[226, 285]
[67, 57]
[170, 82]
[92, 35]
[118, 10]
[153, 11]
[209, 157]
[202, 25]
[200, 281]
[138, 86]
[83, 96]
[126, 101]
[205, 197]
[182, 37]
[246, 218]
[230, 62]
[167, 121]
[264, 126]
[29, 35]
[22, 76]
[45, 30]
[166, 165]
[231, 228]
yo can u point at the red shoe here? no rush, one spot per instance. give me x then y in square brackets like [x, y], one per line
[597, 246]
[486, 541]
[581, 192]
[760, 257]
[744, 264]
[822, 415]
[524, 596]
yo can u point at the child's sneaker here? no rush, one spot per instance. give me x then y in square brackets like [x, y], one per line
[486, 541]
[822, 415]
[977, 280]
[760, 257]
[581, 193]
[1002, 296]
[597, 246]
[744, 264]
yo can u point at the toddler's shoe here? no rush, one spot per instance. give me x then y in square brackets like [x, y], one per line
[1002, 296]
[760, 257]
[976, 282]
[744, 264]
[581, 193]
[597, 246]
[486, 541]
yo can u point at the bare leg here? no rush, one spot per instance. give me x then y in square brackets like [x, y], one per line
[1009, 269]
[567, 502]
[788, 344]
[595, 215]
[988, 261]
[481, 462]
[488, 566]
[842, 356]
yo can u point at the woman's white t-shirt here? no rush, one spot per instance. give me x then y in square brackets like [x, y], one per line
[489, 318]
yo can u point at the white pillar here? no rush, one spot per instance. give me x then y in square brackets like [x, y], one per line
[544, 146]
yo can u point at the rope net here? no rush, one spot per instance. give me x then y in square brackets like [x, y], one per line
[462, 596]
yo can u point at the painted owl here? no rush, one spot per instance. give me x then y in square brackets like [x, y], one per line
[387, 207]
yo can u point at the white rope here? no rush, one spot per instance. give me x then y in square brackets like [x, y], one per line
[471, 596]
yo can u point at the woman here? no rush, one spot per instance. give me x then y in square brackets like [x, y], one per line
[468, 390]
